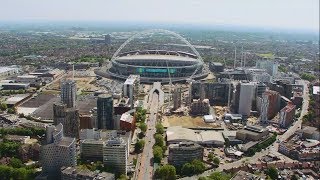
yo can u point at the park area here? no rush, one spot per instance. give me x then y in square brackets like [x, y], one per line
[188, 122]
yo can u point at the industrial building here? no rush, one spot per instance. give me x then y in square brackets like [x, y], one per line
[14, 86]
[58, 152]
[6, 71]
[251, 133]
[72, 173]
[184, 152]
[177, 134]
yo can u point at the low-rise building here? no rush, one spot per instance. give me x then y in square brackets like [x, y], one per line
[309, 132]
[184, 152]
[301, 150]
[251, 133]
[71, 173]
[127, 122]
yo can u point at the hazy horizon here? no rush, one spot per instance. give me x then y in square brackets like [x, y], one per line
[296, 15]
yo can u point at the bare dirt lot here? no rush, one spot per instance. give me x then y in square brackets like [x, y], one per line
[187, 122]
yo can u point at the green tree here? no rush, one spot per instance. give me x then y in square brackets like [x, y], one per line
[308, 77]
[9, 149]
[143, 127]
[157, 154]
[294, 177]
[140, 114]
[3, 106]
[210, 157]
[139, 145]
[194, 167]
[159, 128]
[272, 172]
[219, 176]
[166, 172]
[11, 110]
[199, 166]
[122, 177]
[159, 140]
[15, 163]
[216, 161]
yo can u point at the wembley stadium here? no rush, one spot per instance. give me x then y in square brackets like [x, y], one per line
[157, 65]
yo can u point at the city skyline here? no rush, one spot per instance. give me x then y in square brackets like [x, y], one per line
[284, 14]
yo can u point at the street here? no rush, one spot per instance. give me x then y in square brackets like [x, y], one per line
[146, 163]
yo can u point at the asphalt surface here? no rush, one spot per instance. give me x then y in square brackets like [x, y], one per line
[146, 161]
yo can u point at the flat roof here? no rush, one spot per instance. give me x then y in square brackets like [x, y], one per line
[6, 69]
[180, 134]
[315, 89]
[16, 98]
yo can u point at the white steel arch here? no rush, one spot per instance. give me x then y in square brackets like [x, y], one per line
[151, 31]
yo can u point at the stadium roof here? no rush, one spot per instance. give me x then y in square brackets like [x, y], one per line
[156, 57]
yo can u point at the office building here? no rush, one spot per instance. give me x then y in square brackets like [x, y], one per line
[184, 152]
[107, 39]
[92, 149]
[216, 67]
[264, 108]
[105, 112]
[199, 107]
[68, 92]
[176, 98]
[115, 154]
[247, 91]
[260, 89]
[216, 92]
[68, 117]
[58, 152]
[286, 115]
[269, 105]
[270, 66]
[131, 88]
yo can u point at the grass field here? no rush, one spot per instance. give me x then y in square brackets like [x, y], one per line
[267, 55]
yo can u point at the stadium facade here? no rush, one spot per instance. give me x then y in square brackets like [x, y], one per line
[157, 65]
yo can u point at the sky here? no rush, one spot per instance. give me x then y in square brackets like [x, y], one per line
[284, 14]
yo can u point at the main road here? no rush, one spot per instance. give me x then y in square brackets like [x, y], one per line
[146, 160]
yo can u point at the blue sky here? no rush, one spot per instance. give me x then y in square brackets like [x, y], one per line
[285, 14]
